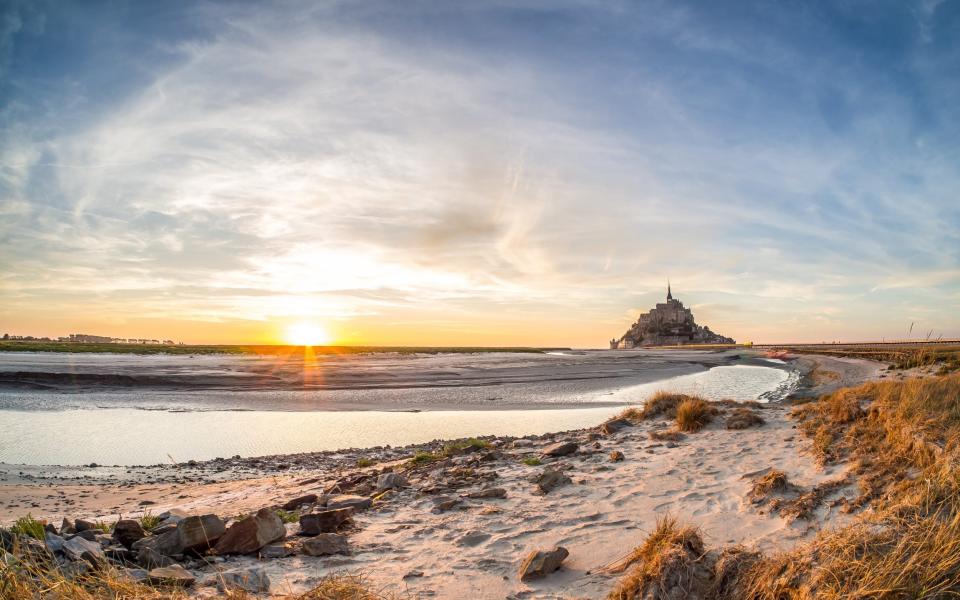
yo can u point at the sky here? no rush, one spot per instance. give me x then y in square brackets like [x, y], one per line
[484, 173]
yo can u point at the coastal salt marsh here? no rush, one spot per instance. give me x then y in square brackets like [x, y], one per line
[444, 397]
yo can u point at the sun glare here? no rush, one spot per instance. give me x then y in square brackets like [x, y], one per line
[307, 334]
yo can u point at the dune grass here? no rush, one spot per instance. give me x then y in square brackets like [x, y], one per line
[743, 418]
[693, 414]
[27, 525]
[902, 439]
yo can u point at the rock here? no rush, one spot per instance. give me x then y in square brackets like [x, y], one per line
[390, 481]
[616, 456]
[413, 573]
[66, 528]
[349, 501]
[250, 579]
[167, 543]
[83, 525]
[560, 449]
[325, 544]
[494, 492]
[252, 533]
[300, 501]
[540, 563]
[148, 558]
[550, 479]
[128, 531]
[138, 575]
[174, 515]
[614, 425]
[77, 548]
[89, 534]
[161, 529]
[472, 538]
[174, 575]
[276, 550]
[522, 443]
[325, 521]
[53, 542]
[200, 532]
[444, 503]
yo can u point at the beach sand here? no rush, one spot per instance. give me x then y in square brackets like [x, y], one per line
[474, 550]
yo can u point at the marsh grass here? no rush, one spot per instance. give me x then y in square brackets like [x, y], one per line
[365, 462]
[532, 461]
[27, 525]
[149, 520]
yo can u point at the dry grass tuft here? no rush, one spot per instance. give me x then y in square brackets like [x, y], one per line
[773, 482]
[743, 418]
[693, 414]
[662, 404]
[670, 557]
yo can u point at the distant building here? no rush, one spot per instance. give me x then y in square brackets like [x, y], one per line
[669, 323]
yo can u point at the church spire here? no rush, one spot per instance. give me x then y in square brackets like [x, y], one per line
[669, 295]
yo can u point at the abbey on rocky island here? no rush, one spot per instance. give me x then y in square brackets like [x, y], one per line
[667, 324]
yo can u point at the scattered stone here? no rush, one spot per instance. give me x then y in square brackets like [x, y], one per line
[77, 548]
[325, 544]
[251, 534]
[300, 501]
[540, 563]
[560, 449]
[413, 573]
[166, 544]
[391, 481]
[174, 575]
[251, 579]
[616, 456]
[522, 443]
[325, 521]
[614, 425]
[550, 479]
[276, 550]
[66, 527]
[349, 501]
[493, 492]
[89, 534]
[200, 532]
[444, 503]
[128, 531]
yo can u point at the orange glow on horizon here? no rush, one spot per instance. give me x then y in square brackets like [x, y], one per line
[307, 334]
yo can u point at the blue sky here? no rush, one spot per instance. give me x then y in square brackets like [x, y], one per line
[495, 173]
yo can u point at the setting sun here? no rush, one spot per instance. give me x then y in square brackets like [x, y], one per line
[307, 334]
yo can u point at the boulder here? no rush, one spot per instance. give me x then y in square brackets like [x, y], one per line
[167, 543]
[251, 579]
[325, 544]
[390, 481]
[66, 527]
[128, 531]
[616, 456]
[53, 542]
[540, 563]
[89, 534]
[148, 558]
[550, 479]
[349, 501]
[200, 532]
[174, 575]
[77, 548]
[560, 449]
[83, 525]
[325, 521]
[299, 501]
[252, 533]
[614, 425]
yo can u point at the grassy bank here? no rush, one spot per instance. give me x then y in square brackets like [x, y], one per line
[944, 356]
[73, 347]
[902, 440]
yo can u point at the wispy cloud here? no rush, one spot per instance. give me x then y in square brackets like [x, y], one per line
[377, 161]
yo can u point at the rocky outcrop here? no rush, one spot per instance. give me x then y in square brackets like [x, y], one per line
[669, 323]
[251, 534]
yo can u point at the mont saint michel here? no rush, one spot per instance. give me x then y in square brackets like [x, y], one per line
[669, 323]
